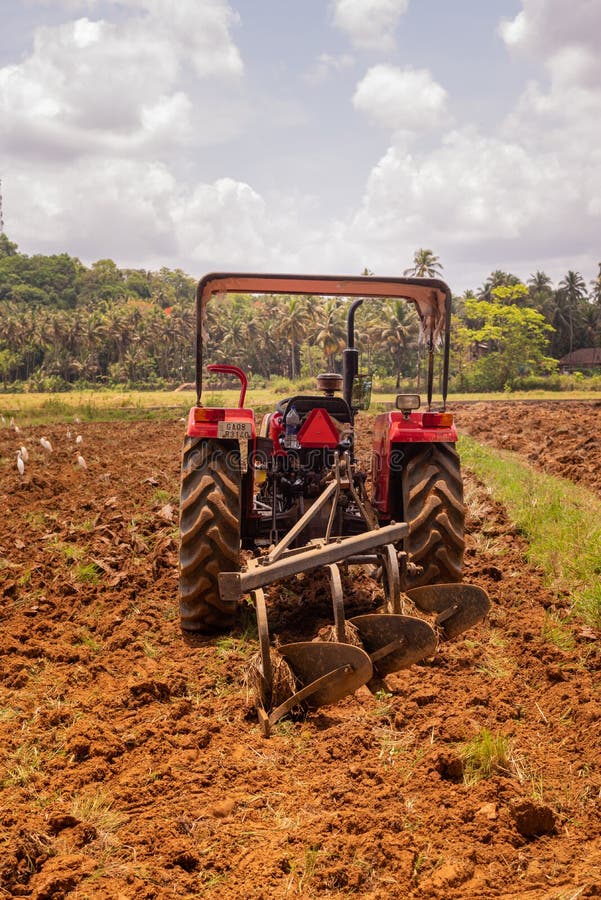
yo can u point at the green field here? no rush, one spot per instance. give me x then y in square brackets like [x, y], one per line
[31, 409]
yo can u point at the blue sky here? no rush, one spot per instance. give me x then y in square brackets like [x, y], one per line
[315, 136]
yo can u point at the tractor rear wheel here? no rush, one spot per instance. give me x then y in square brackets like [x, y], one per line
[209, 532]
[432, 491]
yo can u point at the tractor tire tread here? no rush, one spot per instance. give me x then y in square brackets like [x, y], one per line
[209, 533]
[433, 508]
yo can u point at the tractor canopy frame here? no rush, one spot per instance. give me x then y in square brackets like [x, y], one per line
[431, 296]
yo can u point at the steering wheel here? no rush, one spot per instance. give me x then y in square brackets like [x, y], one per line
[281, 405]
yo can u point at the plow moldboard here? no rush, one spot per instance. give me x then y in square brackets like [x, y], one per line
[417, 639]
[465, 604]
[310, 660]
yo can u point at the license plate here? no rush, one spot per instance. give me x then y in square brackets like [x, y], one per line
[236, 431]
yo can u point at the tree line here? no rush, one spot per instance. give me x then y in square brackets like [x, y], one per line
[65, 324]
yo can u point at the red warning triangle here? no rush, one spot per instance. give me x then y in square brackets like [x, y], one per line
[319, 431]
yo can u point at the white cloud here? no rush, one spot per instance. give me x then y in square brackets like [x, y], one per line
[140, 214]
[470, 189]
[94, 86]
[401, 99]
[564, 38]
[98, 118]
[223, 220]
[507, 199]
[562, 114]
[113, 207]
[544, 26]
[370, 23]
[198, 29]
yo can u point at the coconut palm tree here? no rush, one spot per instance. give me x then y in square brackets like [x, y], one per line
[399, 332]
[425, 265]
[330, 333]
[571, 295]
[293, 325]
[596, 289]
[540, 289]
[498, 278]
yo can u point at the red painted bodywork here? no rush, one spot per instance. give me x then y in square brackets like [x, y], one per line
[209, 429]
[391, 431]
[274, 431]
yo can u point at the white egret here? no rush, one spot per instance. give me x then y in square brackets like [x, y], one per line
[68, 434]
[81, 462]
[79, 439]
[20, 464]
[24, 454]
[46, 444]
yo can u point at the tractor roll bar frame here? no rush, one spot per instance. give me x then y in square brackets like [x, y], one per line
[419, 290]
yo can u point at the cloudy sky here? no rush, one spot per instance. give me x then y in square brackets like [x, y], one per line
[304, 135]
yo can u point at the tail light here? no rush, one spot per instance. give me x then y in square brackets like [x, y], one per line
[204, 414]
[437, 419]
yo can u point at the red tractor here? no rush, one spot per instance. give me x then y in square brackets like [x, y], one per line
[292, 490]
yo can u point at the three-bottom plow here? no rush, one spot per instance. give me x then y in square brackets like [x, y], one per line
[360, 650]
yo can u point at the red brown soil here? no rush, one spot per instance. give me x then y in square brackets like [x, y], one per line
[560, 438]
[131, 763]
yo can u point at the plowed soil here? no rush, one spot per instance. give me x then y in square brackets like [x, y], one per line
[131, 763]
[559, 438]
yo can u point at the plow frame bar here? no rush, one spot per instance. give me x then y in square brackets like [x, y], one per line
[234, 585]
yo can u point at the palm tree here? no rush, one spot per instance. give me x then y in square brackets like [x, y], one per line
[498, 278]
[330, 332]
[572, 291]
[540, 289]
[540, 281]
[292, 327]
[399, 332]
[425, 264]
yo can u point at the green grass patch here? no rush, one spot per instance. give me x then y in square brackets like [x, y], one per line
[99, 406]
[560, 520]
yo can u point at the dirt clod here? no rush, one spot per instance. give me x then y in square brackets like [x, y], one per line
[224, 808]
[532, 819]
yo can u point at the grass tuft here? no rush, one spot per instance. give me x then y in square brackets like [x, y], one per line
[97, 811]
[25, 764]
[87, 572]
[88, 640]
[485, 755]
[556, 632]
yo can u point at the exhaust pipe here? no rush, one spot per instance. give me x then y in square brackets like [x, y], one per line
[350, 356]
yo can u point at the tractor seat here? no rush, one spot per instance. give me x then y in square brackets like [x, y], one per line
[336, 407]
